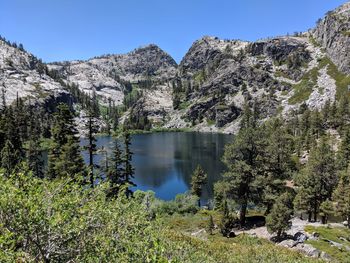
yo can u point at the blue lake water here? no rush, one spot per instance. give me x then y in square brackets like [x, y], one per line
[164, 162]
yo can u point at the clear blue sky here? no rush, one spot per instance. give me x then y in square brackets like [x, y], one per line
[57, 30]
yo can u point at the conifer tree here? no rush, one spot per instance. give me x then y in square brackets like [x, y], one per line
[9, 157]
[199, 178]
[277, 164]
[278, 220]
[318, 179]
[343, 154]
[33, 154]
[70, 162]
[129, 170]
[326, 209]
[243, 161]
[65, 144]
[211, 225]
[92, 129]
[341, 196]
[115, 173]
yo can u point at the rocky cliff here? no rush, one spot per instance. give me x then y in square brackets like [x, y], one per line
[333, 33]
[108, 75]
[22, 75]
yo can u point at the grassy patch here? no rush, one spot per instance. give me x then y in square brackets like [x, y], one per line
[184, 105]
[39, 90]
[314, 42]
[216, 248]
[345, 33]
[303, 90]
[210, 122]
[334, 234]
[280, 73]
[342, 80]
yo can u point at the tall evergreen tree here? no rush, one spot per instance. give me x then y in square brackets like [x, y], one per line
[33, 153]
[70, 162]
[65, 143]
[92, 129]
[318, 179]
[341, 196]
[9, 157]
[243, 162]
[343, 154]
[277, 164]
[129, 170]
[199, 178]
[278, 220]
[115, 173]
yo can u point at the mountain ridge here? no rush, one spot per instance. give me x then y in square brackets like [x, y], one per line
[207, 89]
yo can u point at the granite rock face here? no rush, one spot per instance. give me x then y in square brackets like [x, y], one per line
[108, 75]
[333, 33]
[23, 76]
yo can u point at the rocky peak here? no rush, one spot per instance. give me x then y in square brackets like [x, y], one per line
[333, 34]
[108, 74]
[206, 52]
[23, 75]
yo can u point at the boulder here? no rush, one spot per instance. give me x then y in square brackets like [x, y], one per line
[308, 250]
[325, 256]
[289, 243]
[300, 237]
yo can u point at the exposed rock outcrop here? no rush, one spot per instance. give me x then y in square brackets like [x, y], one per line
[333, 33]
[23, 76]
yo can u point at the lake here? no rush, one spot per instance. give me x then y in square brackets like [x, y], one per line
[164, 162]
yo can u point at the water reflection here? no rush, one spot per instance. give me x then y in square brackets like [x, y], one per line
[164, 162]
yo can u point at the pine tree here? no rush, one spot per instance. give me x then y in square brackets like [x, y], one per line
[129, 170]
[115, 173]
[278, 220]
[343, 154]
[341, 196]
[92, 129]
[243, 161]
[9, 157]
[65, 143]
[199, 178]
[33, 154]
[318, 179]
[277, 163]
[211, 225]
[326, 209]
[70, 162]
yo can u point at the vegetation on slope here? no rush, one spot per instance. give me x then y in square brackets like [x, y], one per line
[326, 234]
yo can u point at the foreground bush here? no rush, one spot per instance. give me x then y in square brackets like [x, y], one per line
[59, 221]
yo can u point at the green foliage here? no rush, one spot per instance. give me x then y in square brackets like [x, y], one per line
[303, 90]
[317, 180]
[341, 196]
[326, 209]
[211, 225]
[199, 178]
[333, 234]
[183, 204]
[278, 220]
[58, 221]
[64, 155]
[228, 221]
[242, 159]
